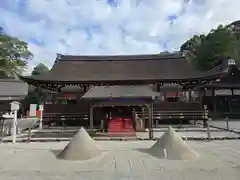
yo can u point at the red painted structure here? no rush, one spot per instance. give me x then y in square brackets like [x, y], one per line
[119, 125]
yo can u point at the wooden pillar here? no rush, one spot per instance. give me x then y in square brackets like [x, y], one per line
[202, 94]
[78, 96]
[229, 103]
[230, 100]
[189, 96]
[44, 98]
[150, 120]
[84, 89]
[54, 98]
[158, 88]
[143, 117]
[214, 104]
[91, 118]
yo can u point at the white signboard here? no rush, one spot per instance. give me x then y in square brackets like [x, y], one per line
[32, 111]
[223, 92]
[15, 105]
[41, 107]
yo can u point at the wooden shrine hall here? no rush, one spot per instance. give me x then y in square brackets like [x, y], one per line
[11, 90]
[130, 97]
[168, 82]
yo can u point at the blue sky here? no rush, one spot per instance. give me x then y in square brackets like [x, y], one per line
[91, 27]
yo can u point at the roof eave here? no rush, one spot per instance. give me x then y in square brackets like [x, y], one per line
[30, 80]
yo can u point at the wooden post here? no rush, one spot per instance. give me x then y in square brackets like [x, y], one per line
[143, 116]
[227, 123]
[2, 130]
[41, 117]
[150, 120]
[202, 93]
[205, 116]
[102, 125]
[157, 123]
[84, 89]
[208, 131]
[91, 119]
[214, 104]
[14, 127]
[195, 122]
[62, 122]
[134, 119]
[54, 98]
[29, 133]
[189, 96]
[180, 125]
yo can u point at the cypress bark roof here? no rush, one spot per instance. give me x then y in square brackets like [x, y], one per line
[11, 88]
[83, 69]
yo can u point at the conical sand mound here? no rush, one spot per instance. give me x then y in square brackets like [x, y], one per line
[172, 146]
[81, 147]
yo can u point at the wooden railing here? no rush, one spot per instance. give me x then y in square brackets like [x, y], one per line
[232, 115]
[178, 113]
[65, 119]
[65, 108]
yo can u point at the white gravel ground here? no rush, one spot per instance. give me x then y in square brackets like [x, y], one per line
[121, 160]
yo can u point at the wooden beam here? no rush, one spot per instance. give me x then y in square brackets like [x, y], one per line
[91, 118]
[150, 120]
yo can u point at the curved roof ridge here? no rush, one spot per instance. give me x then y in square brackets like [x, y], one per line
[159, 56]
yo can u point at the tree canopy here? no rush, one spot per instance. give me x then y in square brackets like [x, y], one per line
[39, 69]
[205, 50]
[14, 54]
[37, 95]
[1, 31]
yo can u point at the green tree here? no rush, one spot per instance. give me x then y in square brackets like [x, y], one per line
[204, 50]
[235, 28]
[191, 47]
[40, 69]
[14, 54]
[37, 95]
[1, 31]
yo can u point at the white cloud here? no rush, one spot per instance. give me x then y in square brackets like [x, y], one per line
[132, 27]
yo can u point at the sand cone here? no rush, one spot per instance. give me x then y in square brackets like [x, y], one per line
[81, 147]
[172, 146]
